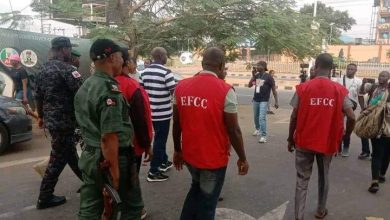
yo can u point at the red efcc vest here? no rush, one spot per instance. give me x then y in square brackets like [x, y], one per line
[128, 86]
[320, 124]
[200, 101]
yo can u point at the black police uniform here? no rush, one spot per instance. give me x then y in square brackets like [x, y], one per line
[57, 84]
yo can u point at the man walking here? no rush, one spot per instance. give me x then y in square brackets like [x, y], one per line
[204, 124]
[103, 116]
[316, 131]
[263, 83]
[21, 86]
[57, 83]
[159, 83]
[139, 112]
[353, 85]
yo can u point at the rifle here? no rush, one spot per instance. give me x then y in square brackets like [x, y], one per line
[112, 200]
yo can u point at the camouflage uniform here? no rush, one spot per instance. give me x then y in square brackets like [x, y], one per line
[101, 109]
[57, 84]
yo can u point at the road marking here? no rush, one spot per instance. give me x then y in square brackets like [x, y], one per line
[232, 214]
[28, 208]
[25, 161]
[21, 162]
[7, 215]
[283, 121]
[276, 214]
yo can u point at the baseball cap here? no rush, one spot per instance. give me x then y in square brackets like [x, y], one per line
[102, 48]
[75, 53]
[60, 42]
[14, 57]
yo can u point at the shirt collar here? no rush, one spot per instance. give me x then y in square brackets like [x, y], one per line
[208, 72]
[324, 77]
[102, 74]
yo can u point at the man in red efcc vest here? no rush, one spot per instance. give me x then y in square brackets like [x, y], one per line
[204, 125]
[316, 131]
[140, 116]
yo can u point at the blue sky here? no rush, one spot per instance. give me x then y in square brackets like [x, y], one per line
[358, 9]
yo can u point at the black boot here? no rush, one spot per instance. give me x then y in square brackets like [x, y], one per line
[51, 202]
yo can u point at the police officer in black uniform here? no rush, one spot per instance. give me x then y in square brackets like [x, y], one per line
[57, 84]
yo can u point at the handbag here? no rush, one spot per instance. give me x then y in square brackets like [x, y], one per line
[386, 121]
[370, 122]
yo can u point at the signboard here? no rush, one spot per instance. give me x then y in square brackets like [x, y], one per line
[5, 53]
[186, 58]
[28, 58]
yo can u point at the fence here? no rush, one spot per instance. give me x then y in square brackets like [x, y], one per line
[364, 69]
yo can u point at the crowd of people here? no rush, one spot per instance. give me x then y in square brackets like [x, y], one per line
[124, 115]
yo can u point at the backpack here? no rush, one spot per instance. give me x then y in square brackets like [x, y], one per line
[370, 122]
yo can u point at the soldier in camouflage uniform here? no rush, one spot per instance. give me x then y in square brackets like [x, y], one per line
[103, 116]
[57, 84]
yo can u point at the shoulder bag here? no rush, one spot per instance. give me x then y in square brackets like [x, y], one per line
[370, 122]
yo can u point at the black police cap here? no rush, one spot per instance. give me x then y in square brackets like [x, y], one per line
[102, 48]
[60, 42]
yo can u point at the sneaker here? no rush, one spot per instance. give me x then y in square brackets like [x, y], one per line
[144, 213]
[165, 166]
[345, 152]
[263, 140]
[256, 133]
[157, 177]
[364, 156]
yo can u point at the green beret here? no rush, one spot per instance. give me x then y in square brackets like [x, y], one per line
[76, 53]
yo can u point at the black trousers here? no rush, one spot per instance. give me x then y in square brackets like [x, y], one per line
[63, 152]
[380, 157]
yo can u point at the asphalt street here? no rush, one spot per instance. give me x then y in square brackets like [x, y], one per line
[266, 193]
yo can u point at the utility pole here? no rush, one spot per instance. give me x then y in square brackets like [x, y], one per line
[315, 8]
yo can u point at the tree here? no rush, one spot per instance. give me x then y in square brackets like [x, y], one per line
[326, 16]
[14, 19]
[143, 24]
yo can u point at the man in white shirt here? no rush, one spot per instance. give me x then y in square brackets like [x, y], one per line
[353, 84]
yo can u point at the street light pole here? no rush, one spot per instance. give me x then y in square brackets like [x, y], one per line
[330, 35]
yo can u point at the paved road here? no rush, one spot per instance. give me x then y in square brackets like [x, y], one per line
[245, 96]
[268, 186]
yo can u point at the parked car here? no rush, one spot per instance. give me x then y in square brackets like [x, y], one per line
[15, 124]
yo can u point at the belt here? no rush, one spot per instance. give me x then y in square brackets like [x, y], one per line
[122, 150]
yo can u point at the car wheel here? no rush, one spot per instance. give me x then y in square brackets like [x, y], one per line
[4, 138]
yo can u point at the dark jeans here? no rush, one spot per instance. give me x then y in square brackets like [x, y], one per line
[346, 139]
[161, 131]
[380, 157]
[346, 142]
[202, 199]
[365, 146]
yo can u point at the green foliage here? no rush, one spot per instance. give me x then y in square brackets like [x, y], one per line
[327, 15]
[271, 25]
[65, 10]
[13, 19]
